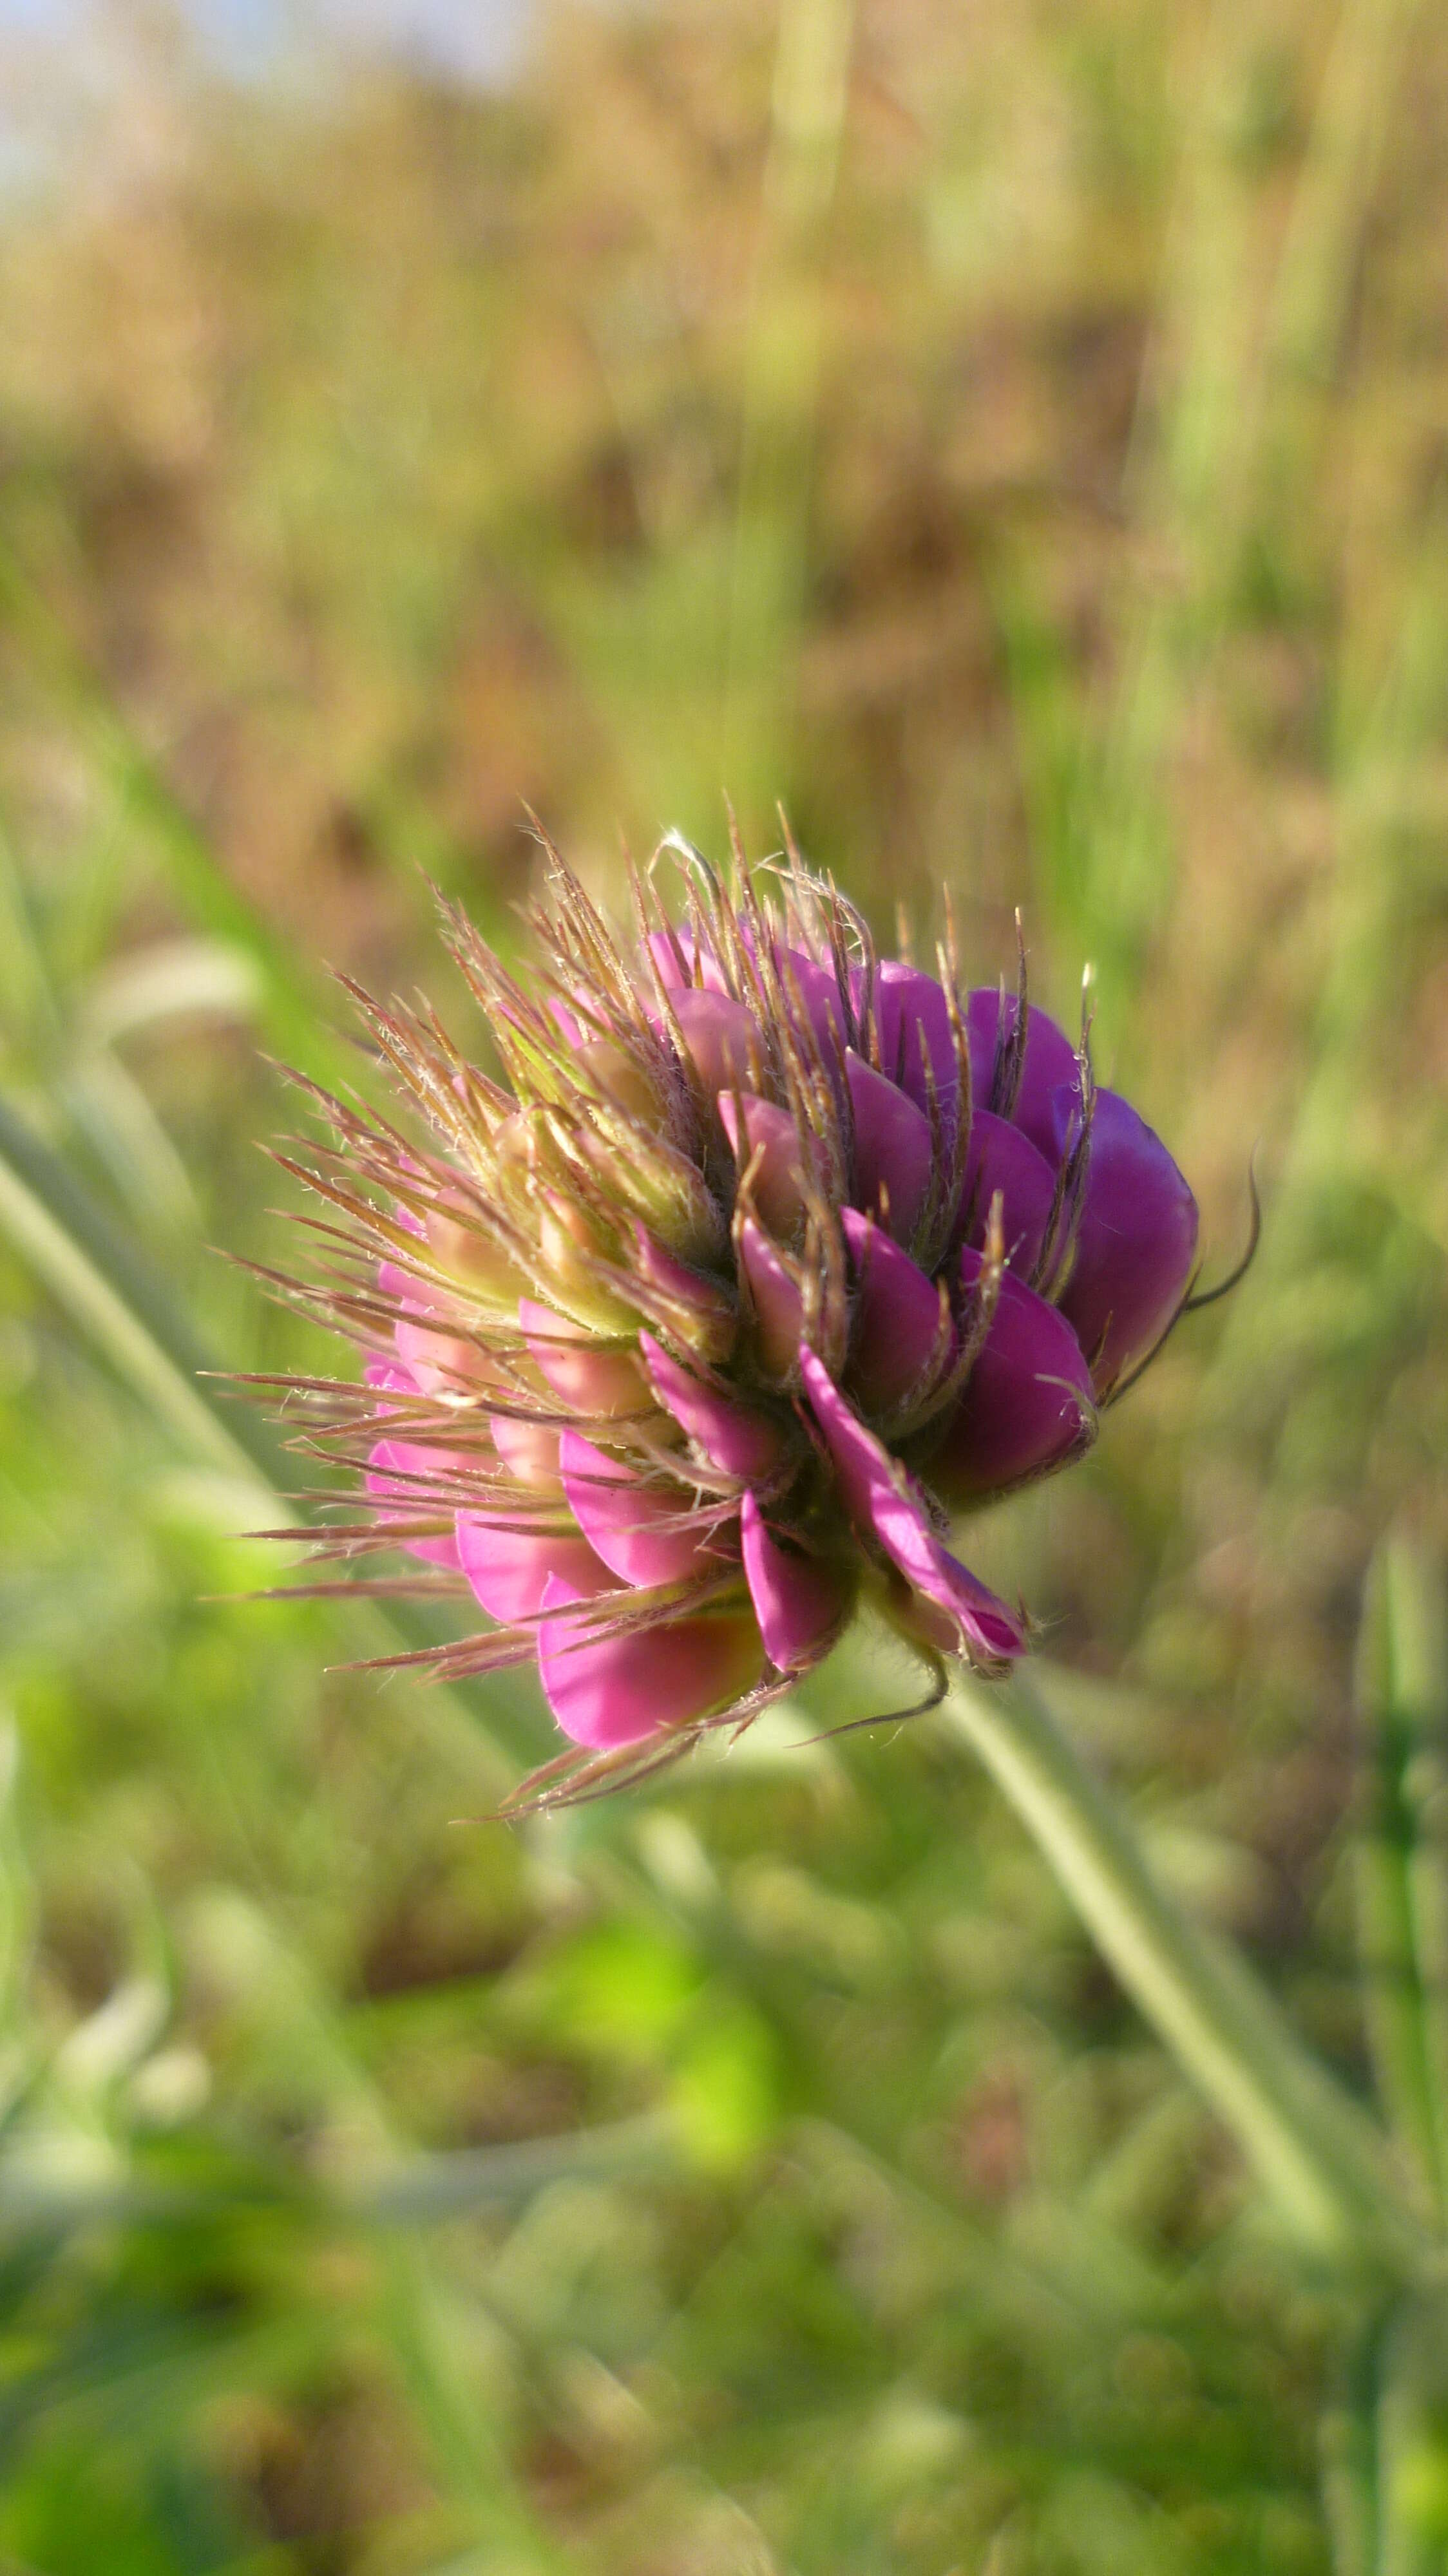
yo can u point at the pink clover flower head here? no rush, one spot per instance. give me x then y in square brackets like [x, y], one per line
[764, 1258]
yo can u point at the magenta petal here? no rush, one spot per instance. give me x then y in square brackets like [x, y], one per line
[633, 1525]
[882, 1506]
[769, 1132]
[611, 1686]
[914, 1024]
[510, 1569]
[732, 1434]
[893, 1150]
[1050, 1063]
[896, 1318]
[1136, 1244]
[778, 1304]
[588, 1378]
[1003, 1158]
[1027, 1405]
[798, 1602]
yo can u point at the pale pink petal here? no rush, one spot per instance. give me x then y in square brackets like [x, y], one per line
[633, 1524]
[798, 1601]
[608, 1687]
[529, 1450]
[883, 1506]
[510, 1569]
[896, 1318]
[734, 1435]
[893, 1149]
[589, 1378]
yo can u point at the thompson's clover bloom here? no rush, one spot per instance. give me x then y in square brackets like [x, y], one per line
[768, 1257]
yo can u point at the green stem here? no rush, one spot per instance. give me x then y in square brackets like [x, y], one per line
[1318, 2157]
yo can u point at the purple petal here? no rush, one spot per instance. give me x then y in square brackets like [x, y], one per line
[608, 1687]
[1003, 1158]
[589, 1379]
[1027, 1405]
[883, 1506]
[893, 1149]
[1136, 1245]
[634, 1525]
[733, 1435]
[778, 1305]
[798, 1602]
[769, 1132]
[510, 1569]
[1050, 1063]
[914, 1023]
[896, 1318]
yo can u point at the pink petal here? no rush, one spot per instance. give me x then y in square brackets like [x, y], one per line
[1002, 1157]
[798, 1602]
[722, 1037]
[893, 1149]
[398, 1472]
[813, 988]
[769, 1132]
[734, 1435]
[883, 1507]
[510, 1570]
[778, 1305]
[608, 1687]
[896, 1318]
[589, 1379]
[633, 1525]
[1027, 1405]
[668, 948]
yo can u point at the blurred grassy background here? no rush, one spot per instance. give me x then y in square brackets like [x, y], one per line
[1019, 440]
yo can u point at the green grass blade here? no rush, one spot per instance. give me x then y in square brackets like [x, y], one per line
[1315, 2154]
[1402, 1852]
